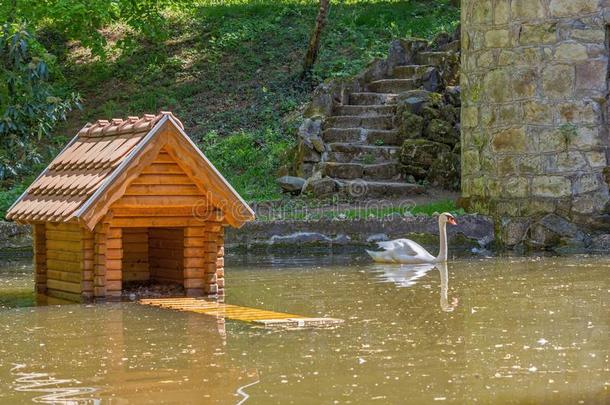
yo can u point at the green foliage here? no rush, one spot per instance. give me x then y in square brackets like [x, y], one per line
[7, 197]
[227, 68]
[248, 160]
[83, 20]
[30, 104]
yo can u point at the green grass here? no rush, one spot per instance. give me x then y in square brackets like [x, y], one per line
[229, 71]
[304, 212]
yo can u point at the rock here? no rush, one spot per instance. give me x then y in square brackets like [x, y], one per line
[291, 184]
[601, 243]
[421, 152]
[321, 187]
[306, 153]
[310, 128]
[452, 95]
[553, 230]
[514, 230]
[432, 80]
[419, 155]
[413, 100]
[441, 131]
[378, 237]
[15, 238]
[298, 238]
[440, 39]
[411, 126]
[318, 144]
[445, 171]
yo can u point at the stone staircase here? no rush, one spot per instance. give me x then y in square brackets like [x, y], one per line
[362, 142]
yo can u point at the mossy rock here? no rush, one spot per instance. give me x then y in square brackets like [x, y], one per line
[441, 131]
[411, 126]
[445, 171]
[421, 152]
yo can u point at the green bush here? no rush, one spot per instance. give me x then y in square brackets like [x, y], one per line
[30, 103]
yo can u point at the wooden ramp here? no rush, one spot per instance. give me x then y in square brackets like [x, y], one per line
[262, 317]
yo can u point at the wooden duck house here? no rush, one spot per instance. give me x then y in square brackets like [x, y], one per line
[129, 200]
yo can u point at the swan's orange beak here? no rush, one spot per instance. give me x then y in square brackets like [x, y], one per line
[452, 221]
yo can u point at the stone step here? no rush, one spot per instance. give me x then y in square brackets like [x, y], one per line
[354, 121]
[358, 153]
[437, 58]
[365, 110]
[408, 71]
[392, 85]
[375, 189]
[351, 171]
[377, 137]
[369, 98]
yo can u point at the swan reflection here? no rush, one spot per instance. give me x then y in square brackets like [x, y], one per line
[407, 276]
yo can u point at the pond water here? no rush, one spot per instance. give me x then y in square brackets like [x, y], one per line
[500, 330]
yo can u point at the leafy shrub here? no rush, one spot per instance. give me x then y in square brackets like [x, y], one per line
[30, 104]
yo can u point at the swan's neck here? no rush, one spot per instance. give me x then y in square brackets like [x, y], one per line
[442, 231]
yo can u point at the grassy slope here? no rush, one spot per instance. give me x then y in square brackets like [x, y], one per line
[228, 71]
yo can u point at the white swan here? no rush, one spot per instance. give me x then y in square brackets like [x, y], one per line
[406, 251]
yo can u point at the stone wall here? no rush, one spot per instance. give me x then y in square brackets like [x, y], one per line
[534, 113]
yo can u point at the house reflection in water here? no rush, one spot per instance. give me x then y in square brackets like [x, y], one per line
[134, 354]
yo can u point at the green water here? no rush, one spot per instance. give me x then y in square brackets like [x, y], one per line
[502, 330]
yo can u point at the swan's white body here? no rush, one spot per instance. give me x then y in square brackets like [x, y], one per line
[406, 251]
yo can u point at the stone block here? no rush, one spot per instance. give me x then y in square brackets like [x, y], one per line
[596, 159]
[551, 186]
[524, 83]
[564, 162]
[571, 52]
[513, 230]
[589, 203]
[510, 114]
[510, 140]
[587, 183]
[593, 35]
[497, 85]
[497, 38]
[482, 13]
[470, 117]
[592, 75]
[567, 8]
[517, 187]
[501, 12]
[536, 112]
[585, 112]
[470, 161]
[538, 34]
[558, 81]
[527, 9]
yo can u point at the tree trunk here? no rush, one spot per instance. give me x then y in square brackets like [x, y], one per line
[314, 41]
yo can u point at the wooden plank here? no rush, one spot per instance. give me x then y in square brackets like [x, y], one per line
[64, 235]
[112, 254]
[64, 286]
[73, 267]
[175, 211]
[68, 296]
[162, 168]
[63, 276]
[164, 179]
[63, 255]
[163, 190]
[158, 201]
[63, 245]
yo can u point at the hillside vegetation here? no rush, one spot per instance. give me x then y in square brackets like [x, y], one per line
[229, 70]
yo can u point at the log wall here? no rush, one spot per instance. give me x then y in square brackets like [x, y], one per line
[166, 246]
[40, 257]
[135, 254]
[64, 260]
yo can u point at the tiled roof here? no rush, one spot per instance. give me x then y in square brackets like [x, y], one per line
[81, 169]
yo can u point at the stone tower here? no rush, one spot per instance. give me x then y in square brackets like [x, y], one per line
[534, 80]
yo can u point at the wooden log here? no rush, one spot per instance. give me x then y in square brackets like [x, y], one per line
[67, 266]
[194, 252]
[63, 286]
[113, 254]
[193, 273]
[160, 222]
[65, 245]
[193, 283]
[63, 276]
[113, 275]
[113, 264]
[113, 285]
[114, 243]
